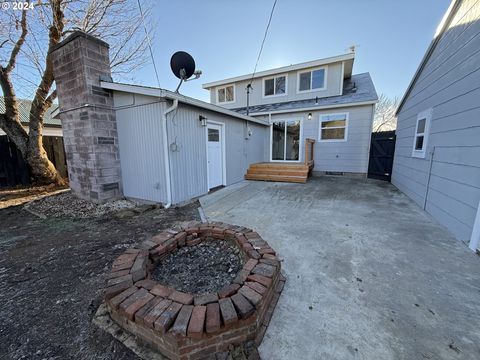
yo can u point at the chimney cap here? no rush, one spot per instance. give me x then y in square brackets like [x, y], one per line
[78, 33]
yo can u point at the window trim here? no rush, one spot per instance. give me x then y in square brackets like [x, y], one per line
[301, 145]
[217, 89]
[427, 115]
[274, 77]
[345, 138]
[325, 69]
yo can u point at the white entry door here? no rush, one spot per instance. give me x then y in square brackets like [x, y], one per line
[214, 155]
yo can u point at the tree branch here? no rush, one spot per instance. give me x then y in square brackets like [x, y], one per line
[18, 44]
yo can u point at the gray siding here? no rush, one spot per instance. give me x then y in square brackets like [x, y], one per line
[141, 148]
[334, 83]
[189, 164]
[347, 156]
[450, 84]
[141, 152]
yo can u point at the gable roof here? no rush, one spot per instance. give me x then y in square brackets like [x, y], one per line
[158, 92]
[444, 24]
[364, 94]
[345, 57]
[24, 106]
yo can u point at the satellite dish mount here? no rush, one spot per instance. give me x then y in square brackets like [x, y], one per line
[183, 67]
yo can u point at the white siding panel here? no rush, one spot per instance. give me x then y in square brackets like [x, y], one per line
[141, 154]
[334, 83]
[141, 148]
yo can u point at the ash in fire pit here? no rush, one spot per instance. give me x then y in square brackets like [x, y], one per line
[203, 268]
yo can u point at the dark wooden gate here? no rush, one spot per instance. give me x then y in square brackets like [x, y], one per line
[382, 149]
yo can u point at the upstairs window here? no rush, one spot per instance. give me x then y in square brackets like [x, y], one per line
[226, 94]
[311, 80]
[422, 128]
[333, 127]
[275, 86]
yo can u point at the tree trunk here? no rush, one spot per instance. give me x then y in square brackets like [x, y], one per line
[30, 144]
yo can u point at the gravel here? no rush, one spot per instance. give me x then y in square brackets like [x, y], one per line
[203, 268]
[68, 205]
[52, 279]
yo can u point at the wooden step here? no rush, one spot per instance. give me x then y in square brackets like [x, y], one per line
[279, 178]
[287, 172]
[276, 166]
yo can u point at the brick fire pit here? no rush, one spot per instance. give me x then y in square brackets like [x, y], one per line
[187, 326]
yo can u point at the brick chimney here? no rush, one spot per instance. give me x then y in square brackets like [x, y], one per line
[88, 119]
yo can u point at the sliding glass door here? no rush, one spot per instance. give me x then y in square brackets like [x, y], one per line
[286, 140]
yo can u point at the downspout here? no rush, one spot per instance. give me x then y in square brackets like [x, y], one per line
[166, 154]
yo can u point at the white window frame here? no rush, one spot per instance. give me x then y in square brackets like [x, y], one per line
[301, 144]
[427, 115]
[320, 121]
[274, 80]
[225, 87]
[325, 69]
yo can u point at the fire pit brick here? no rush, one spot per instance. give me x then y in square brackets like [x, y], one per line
[197, 322]
[181, 297]
[228, 291]
[184, 326]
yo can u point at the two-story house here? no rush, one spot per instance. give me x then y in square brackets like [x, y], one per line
[153, 144]
[320, 100]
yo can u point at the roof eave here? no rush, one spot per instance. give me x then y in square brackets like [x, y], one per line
[444, 23]
[318, 107]
[157, 92]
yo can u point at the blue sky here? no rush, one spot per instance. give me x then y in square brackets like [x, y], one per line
[224, 37]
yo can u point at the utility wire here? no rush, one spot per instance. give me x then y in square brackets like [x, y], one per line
[149, 42]
[263, 41]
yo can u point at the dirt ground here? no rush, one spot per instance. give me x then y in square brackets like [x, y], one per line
[52, 274]
[21, 195]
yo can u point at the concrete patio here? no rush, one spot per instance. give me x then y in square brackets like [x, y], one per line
[378, 278]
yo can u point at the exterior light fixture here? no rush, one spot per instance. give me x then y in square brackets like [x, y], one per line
[203, 120]
[309, 116]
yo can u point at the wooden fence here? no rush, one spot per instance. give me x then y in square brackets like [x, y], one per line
[13, 169]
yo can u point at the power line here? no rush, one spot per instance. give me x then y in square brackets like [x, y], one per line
[149, 42]
[263, 41]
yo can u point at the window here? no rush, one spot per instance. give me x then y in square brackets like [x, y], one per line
[420, 138]
[312, 80]
[333, 127]
[275, 86]
[213, 135]
[226, 94]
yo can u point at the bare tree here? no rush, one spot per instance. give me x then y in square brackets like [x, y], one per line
[26, 40]
[385, 119]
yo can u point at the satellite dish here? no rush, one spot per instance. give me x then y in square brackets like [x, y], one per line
[182, 65]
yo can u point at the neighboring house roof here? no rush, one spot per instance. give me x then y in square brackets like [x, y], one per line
[158, 92]
[24, 106]
[444, 24]
[346, 57]
[364, 94]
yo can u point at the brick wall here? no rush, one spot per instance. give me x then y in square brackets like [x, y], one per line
[88, 118]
